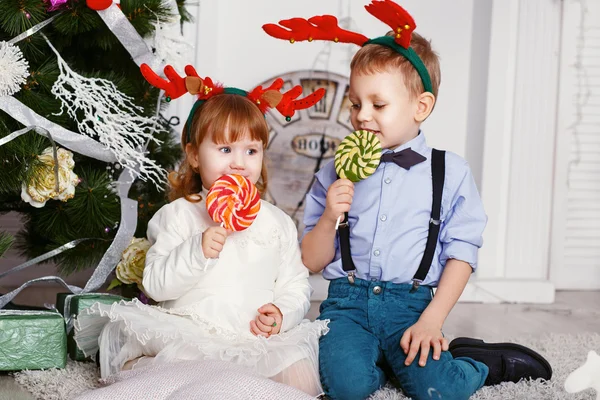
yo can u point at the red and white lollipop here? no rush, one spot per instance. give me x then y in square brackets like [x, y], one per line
[233, 201]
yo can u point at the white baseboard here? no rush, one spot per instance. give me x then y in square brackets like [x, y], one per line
[478, 290]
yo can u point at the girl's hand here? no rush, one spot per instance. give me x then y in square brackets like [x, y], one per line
[339, 199]
[267, 322]
[423, 335]
[213, 240]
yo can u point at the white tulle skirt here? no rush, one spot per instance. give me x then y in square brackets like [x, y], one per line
[128, 330]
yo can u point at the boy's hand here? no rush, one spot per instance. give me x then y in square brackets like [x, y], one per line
[339, 199]
[423, 335]
[213, 240]
[267, 322]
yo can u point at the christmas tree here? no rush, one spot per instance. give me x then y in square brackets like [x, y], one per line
[83, 203]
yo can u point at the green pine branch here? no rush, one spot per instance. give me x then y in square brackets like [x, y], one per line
[6, 241]
[14, 15]
[18, 160]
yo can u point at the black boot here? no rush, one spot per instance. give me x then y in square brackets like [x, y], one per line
[507, 362]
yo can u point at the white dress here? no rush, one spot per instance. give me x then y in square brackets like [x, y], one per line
[205, 306]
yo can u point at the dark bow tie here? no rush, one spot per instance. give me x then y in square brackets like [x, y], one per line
[405, 158]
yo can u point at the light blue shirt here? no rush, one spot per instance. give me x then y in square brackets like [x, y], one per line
[389, 218]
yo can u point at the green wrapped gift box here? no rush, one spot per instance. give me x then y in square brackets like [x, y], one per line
[32, 340]
[79, 302]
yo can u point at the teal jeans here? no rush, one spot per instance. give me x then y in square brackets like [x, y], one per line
[367, 321]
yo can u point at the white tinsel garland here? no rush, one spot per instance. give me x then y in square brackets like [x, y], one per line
[109, 116]
[13, 69]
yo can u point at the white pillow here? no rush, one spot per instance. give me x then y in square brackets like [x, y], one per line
[196, 380]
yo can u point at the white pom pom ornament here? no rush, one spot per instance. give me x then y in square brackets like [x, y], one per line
[13, 69]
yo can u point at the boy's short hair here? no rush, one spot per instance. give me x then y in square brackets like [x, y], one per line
[376, 58]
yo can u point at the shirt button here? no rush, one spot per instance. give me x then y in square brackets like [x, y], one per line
[387, 180]
[376, 252]
[383, 217]
[377, 290]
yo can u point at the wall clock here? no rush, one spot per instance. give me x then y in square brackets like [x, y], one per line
[300, 147]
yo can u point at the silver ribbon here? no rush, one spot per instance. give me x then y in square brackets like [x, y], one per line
[33, 29]
[45, 256]
[123, 237]
[4, 300]
[118, 23]
[73, 141]
[44, 132]
[18, 133]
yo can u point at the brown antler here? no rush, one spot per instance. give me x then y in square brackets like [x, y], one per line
[323, 27]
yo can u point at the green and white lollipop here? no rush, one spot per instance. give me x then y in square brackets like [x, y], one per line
[358, 155]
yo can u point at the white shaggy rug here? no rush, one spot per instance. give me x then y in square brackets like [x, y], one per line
[564, 352]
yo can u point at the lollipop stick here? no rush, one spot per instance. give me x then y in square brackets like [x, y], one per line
[337, 223]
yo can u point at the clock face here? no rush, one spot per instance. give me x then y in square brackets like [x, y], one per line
[300, 147]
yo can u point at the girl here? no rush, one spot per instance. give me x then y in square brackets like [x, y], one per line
[235, 296]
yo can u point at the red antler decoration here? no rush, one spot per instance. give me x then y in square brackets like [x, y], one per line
[284, 102]
[269, 97]
[396, 18]
[288, 105]
[324, 27]
[175, 86]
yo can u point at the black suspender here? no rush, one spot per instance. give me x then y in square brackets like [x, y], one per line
[438, 172]
[347, 263]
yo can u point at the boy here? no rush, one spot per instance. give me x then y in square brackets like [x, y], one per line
[380, 304]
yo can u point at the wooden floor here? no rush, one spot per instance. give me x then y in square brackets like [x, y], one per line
[573, 312]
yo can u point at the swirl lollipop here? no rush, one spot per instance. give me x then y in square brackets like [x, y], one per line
[357, 157]
[233, 201]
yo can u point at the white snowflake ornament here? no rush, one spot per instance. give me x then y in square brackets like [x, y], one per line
[13, 69]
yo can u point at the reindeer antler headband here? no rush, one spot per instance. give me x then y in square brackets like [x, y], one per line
[325, 27]
[271, 97]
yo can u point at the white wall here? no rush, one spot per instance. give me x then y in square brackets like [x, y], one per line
[477, 94]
